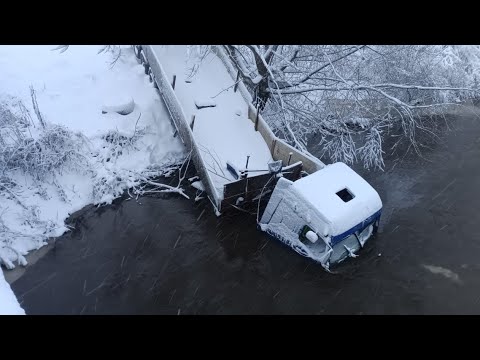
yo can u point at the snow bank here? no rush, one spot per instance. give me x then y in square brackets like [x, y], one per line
[8, 302]
[72, 89]
[224, 132]
[121, 103]
[203, 103]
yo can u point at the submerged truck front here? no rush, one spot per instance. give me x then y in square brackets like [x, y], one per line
[327, 216]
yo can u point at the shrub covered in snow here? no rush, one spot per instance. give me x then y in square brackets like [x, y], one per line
[55, 149]
[36, 148]
[108, 184]
[38, 151]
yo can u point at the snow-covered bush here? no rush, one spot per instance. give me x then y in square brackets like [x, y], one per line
[114, 144]
[48, 149]
[9, 240]
[324, 89]
[110, 184]
[14, 122]
[38, 151]
[55, 149]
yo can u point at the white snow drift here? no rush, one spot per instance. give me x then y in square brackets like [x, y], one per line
[8, 302]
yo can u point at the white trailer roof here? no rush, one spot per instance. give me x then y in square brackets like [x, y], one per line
[224, 132]
[321, 188]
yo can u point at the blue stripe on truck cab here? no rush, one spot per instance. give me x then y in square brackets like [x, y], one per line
[371, 219]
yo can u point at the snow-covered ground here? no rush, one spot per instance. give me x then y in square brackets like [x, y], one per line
[8, 302]
[223, 132]
[103, 151]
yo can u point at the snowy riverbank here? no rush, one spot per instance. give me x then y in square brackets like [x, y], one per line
[81, 155]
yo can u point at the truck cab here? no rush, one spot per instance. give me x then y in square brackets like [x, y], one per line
[328, 215]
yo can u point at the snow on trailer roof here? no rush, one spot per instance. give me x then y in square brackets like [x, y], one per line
[340, 195]
[222, 128]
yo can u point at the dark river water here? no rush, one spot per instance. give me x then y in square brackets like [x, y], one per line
[171, 256]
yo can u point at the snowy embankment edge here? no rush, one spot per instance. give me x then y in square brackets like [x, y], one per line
[154, 146]
[8, 302]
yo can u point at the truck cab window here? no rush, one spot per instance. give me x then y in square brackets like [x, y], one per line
[345, 195]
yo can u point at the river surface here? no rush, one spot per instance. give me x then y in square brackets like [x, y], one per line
[169, 255]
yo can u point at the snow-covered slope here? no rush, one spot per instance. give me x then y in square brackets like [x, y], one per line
[72, 89]
[8, 302]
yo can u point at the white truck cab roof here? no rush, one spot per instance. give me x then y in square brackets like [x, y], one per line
[340, 195]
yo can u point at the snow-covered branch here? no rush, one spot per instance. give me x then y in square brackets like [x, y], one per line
[340, 90]
[427, 88]
[329, 63]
